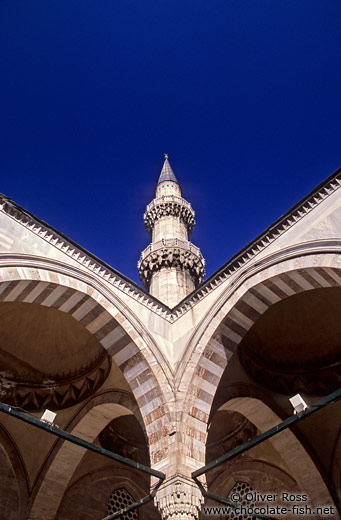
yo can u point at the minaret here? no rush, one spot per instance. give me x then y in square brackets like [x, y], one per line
[171, 267]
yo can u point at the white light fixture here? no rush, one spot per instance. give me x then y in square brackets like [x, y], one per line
[298, 403]
[48, 417]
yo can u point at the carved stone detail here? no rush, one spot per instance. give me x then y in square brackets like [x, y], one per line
[314, 381]
[54, 394]
[187, 259]
[169, 206]
[179, 499]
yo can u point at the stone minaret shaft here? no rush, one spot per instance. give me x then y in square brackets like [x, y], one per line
[170, 267]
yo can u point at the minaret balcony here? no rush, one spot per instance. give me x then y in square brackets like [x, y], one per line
[171, 242]
[169, 205]
[168, 253]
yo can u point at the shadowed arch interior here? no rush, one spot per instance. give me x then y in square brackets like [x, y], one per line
[48, 358]
[296, 343]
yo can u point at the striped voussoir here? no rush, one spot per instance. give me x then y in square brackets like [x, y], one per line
[80, 306]
[233, 327]
[108, 327]
[260, 297]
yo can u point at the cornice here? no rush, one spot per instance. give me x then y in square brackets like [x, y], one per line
[81, 256]
[119, 281]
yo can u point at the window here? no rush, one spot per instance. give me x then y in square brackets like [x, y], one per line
[119, 499]
[242, 489]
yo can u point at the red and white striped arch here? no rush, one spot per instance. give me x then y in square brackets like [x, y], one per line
[92, 306]
[235, 317]
[90, 420]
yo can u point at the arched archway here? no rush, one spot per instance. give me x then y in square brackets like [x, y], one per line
[299, 463]
[105, 484]
[120, 401]
[238, 311]
[60, 471]
[95, 310]
[101, 317]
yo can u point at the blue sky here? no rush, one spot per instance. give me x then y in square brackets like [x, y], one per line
[244, 96]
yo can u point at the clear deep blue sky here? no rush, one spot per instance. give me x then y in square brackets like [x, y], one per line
[244, 96]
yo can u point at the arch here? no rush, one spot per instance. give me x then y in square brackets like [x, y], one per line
[68, 456]
[238, 308]
[99, 310]
[123, 399]
[108, 479]
[226, 479]
[103, 314]
[298, 461]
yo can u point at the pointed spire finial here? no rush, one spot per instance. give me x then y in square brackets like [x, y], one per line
[167, 173]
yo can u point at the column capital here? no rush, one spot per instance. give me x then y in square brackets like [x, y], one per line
[179, 498]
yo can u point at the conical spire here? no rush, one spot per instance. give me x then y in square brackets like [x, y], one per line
[167, 173]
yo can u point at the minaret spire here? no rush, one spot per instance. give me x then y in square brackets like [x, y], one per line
[170, 267]
[167, 173]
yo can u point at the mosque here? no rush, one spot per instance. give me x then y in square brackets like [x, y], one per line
[175, 375]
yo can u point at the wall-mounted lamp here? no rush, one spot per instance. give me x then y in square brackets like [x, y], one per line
[48, 417]
[298, 403]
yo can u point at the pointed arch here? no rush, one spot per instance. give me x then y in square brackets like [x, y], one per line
[65, 456]
[235, 313]
[89, 301]
[296, 458]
